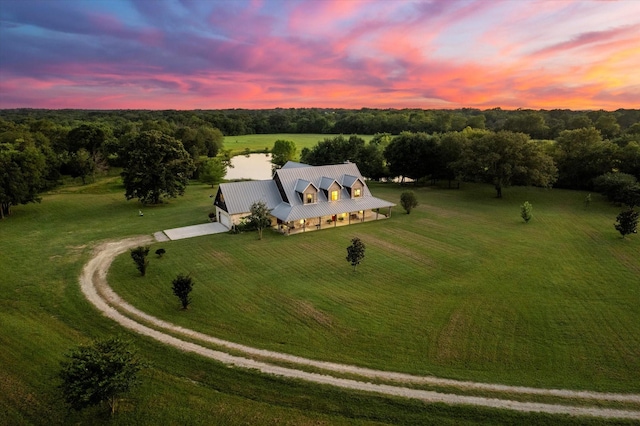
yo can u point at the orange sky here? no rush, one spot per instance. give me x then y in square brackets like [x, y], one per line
[173, 54]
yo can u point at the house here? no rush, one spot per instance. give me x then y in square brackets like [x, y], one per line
[303, 198]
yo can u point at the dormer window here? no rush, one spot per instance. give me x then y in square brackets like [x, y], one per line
[357, 192]
[335, 195]
[309, 198]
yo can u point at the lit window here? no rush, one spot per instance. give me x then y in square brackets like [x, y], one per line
[309, 198]
[357, 192]
[334, 195]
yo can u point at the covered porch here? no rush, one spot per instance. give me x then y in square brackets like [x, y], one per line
[331, 221]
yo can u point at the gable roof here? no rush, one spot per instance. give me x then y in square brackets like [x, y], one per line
[239, 196]
[321, 176]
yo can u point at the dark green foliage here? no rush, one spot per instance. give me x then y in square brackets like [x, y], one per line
[355, 252]
[621, 188]
[139, 256]
[22, 169]
[212, 171]
[101, 371]
[504, 159]
[627, 222]
[155, 165]
[526, 211]
[282, 152]
[408, 201]
[259, 219]
[182, 286]
[160, 252]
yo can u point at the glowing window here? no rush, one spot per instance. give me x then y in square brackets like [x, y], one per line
[309, 199]
[334, 195]
[357, 192]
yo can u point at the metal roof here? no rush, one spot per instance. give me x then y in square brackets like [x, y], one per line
[297, 210]
[239, 196]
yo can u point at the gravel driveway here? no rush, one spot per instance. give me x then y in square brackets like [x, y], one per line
[96, 289]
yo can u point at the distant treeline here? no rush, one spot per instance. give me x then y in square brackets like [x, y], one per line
[538, 124]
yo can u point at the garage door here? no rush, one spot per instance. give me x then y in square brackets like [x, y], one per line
[223, 218]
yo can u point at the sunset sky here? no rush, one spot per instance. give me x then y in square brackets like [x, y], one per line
[197, 54]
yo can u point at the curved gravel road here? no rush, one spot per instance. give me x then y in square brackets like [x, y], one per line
[94, 286]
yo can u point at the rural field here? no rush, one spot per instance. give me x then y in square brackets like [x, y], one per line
[262, 143]
[461, 288]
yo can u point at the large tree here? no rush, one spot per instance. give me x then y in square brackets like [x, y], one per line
[412, 155]
[155, 166]
[101, 371]
[22, 170]
[504, 159]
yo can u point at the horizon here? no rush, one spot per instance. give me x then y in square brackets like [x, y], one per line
[261, 55]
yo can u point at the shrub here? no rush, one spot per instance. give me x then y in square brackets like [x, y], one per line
[526, 211]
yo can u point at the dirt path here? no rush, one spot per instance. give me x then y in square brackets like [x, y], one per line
[94, 285]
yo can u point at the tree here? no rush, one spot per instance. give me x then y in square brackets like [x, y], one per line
[139, 256]
[22, 169]
[619, 188]
[355, 252]
[81, 165]
[259, 218]
[212, 171]
[581, 155]
[282, 152]
[505, 158]
[526, 211]
[408, 201]
[101, 371]
[627, 222]
[155, 165]
[182, 286]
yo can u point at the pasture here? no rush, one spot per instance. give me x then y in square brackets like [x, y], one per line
[460, 288]
[262, 143]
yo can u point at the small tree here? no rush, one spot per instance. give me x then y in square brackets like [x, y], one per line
[526, 211]
[101, 371]
[627, 222]
[259, 218]
[355, 252]
[212, 171]
[139, 256]
[408, 201]
[182, 286]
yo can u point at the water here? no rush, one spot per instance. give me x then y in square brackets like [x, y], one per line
[252, 166]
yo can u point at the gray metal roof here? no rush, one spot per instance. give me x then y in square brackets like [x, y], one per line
[239, 196]
[297, 210]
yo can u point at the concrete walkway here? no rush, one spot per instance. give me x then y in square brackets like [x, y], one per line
[190, 231]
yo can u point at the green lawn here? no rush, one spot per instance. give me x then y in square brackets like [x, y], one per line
[260, 143]
[459, 288]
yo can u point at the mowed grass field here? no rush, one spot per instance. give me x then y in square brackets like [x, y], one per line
[460, 288]
[471, 274]
[261, 143]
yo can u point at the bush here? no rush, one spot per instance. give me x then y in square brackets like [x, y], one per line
[526, 211]
[139, 256]
[408, 201]
[160, 252]
[182, 286]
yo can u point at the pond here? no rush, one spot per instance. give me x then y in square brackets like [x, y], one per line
[252, 166]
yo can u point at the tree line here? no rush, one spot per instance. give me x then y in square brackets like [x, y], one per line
[538, 124]
[38, 147]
